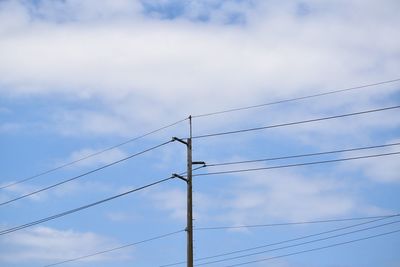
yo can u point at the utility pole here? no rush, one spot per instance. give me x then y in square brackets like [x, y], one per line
[188, 180]
[189, 227]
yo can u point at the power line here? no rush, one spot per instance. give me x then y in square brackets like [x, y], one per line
[176, 232]
[296, 165]
[315, 249]
[302, 155]
[298, 244]
[116, 248]
[296, 122]
[292, 223]
[295, 99]
[85, 174]
[301, 237]
[91, 155]
[286, 241]
[182, 120]
[163, 180]
[13, 229]
[195, 116]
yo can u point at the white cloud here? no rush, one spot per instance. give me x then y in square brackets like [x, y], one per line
[72, 188]
[174, 201]
[13, 16]
[44, 244]
[384, 170]
[19, 190]
[387, 170]
[260, 197]
[288, 196]
[350, 131]
[142, 69]
[82, 187]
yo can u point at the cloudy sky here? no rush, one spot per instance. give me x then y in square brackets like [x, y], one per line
[78, 77]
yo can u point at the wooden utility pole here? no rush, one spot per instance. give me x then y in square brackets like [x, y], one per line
[189, 227]
[188, 180]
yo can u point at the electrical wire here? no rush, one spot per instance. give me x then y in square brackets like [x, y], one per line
[286, 241]
[298, 244]
[295, 99]
[13, 229]
[85, 174]
[163, 180]
[292, 223]
[302, 155]
[296, 165]
[194, 116]
[296, 122]
[121, 247]
[315, 249]
[114, 249]
[91, 155]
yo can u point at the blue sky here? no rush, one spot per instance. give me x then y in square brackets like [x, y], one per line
[80, 76]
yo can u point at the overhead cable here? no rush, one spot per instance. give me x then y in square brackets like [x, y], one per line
[302, 155]
[288, 240]
[296, 98]
[13, 229]
[114, 249]
[315, 249]
[182, 120]
[298, 244]
[194, 116]
[91, 155]
[292, 223]
[296, 165]
[296, 122]
[176, 232]
[84, 174]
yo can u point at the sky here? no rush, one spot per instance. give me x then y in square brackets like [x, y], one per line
[78, 77]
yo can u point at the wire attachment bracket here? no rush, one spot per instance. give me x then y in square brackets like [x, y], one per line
[199, 163]
[175, 175]
[179, 140]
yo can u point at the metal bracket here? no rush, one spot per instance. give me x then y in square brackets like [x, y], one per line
[199, 163]
[179, 177]
[179, 140]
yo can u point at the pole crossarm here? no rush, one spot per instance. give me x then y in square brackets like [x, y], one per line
[180, 140]
[175, 175]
